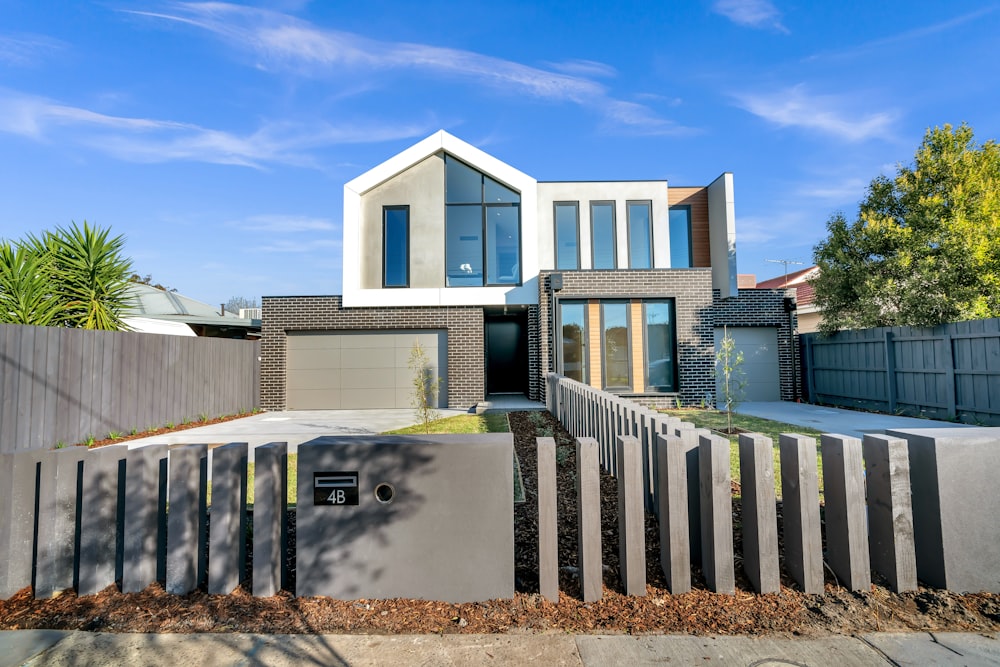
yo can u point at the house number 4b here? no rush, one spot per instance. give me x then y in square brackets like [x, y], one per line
[337, 497]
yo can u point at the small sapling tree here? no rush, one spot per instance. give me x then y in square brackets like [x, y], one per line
[729, 363]
[425, 386]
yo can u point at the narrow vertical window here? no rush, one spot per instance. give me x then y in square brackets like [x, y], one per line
[680, 238]
[395, 246]
[615, 338]
[573, 339]
[640, 234]
[661, 346]
[567, 225]
[602, 221]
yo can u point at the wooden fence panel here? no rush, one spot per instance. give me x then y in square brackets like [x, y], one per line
[950, 371]
[65, 385]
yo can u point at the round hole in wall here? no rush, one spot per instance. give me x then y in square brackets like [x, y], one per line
[384, 493]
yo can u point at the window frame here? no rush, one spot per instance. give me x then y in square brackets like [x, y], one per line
[649, 231]
[627, 388]
[484, 208]
[614, 234]
[585, 343]
[675, 375]
[690, 239]
[575, 205]
[385, 244]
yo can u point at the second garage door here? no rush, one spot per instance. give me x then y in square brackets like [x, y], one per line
[759, 346]
[358, 370]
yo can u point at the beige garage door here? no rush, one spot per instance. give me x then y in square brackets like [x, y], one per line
[358, 370]
[759, 346]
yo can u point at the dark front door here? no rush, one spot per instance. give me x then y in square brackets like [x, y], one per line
[507, 353]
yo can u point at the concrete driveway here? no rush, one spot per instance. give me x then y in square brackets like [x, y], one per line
[292, 426]
[837, 420]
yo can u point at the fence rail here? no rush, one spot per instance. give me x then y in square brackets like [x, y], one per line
[951, 371]
[64, 385]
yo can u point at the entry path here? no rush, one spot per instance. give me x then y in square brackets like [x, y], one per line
[836, 420]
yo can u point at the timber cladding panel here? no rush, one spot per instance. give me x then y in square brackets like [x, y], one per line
[697, 199]
[463, 324]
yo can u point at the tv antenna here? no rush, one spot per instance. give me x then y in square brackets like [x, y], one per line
[786, 262]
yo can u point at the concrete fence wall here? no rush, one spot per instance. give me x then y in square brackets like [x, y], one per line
[64, 385]
[682, 474]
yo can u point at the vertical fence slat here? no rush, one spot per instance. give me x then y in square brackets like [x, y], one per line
[588, 494]
[846, 522]
[548, 538]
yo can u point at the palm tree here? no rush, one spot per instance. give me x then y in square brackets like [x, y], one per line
[25, 287]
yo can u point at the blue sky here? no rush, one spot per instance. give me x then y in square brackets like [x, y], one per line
[217, 137]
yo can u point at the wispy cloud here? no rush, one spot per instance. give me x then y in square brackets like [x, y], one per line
[908, 35]
[280, 41]
[284, 224]
[795, 107]
[761, 14]
[852, 189]
[286, 246]
[27, 50]
[151, 140]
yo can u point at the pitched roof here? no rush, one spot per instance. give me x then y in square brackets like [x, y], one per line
[795, 278]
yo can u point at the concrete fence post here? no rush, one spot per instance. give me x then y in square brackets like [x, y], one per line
[18, 476]
[675, 548]
[588, 498]
[846, 529]
[716, 514]
[800, 512]
[57, 508]
[227, 518]
[631, 517]
[890, 512]
[548, 536]
[270, 518]
[142, 523]
[759, 512]
[185, 522]
[690, 441]
[99, 517]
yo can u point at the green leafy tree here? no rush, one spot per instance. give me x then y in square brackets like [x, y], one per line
[425, 386]
[80, 272]
[729, 362]
[925, 247]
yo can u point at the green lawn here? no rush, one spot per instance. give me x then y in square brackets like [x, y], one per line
[716, 420]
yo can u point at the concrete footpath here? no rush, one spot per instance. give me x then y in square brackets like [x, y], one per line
[63, 648]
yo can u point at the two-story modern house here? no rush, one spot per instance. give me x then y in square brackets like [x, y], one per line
[623, 285]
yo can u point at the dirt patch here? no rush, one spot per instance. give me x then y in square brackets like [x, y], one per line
[789, 612]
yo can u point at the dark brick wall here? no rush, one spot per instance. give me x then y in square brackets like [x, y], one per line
[466, 370]
[763, 308]
[691, 290]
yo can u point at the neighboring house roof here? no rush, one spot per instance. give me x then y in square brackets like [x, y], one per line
[805, 293]
[150, 303]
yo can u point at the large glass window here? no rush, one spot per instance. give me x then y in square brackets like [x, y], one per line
[483, 235]
[602, 222]
[680, 237]
[615, 338]
[661, 366]
[640, 235]
[567, 235]
[395, 246]
[573, 320]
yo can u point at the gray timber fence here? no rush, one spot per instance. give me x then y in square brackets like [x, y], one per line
[65, 385]
[951, 371]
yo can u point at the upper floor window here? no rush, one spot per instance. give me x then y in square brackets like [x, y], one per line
[395, 246]
[640, 234]
[680, 237]
[482, 229]
[567, 216]
[602, 223]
